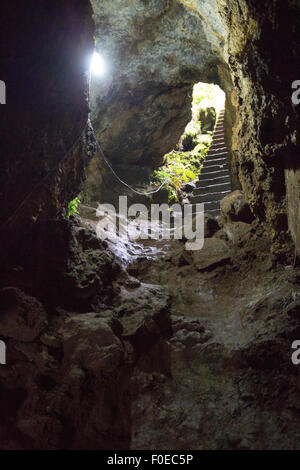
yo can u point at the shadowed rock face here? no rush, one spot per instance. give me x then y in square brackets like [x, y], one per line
[44, 52]
[155, 50]
[262, 51]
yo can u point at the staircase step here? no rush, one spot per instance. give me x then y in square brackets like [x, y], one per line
[215, 161]
[217, 150]
[212, 188]
[208, 206]
[217, 155]
[213, 212]
[209, 197]
[216, 145]
[218, 137]
[211, 181]
[218, 159]
[214, 173]
[214, 168]
[219, 134]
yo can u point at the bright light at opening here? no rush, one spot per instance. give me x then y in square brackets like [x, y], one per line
[97, 65]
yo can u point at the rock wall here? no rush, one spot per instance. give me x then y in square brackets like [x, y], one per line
[154, 51]
[262, 51]
[45, 139]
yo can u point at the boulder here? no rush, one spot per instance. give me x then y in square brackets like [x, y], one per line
[237, 232]
[144, 316]
[211, 225]
[89, 342]
[235, 208]
[214, 253]
[22, 317]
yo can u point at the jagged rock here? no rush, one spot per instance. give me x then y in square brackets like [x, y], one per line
[187, 324]
[235, 208]
[188, 332]
[162, 197]
[144, 316]
[69, 265]
[237, 231]
[89, 342]
[187, 142]
[90, 269]
[293, 309]
[214, 253]
[22, 317]
[55, 125]
[211, 225]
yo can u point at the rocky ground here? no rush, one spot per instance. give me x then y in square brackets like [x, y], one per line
[146, 345]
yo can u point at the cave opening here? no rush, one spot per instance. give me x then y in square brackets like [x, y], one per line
[199, 130]
[201, 150]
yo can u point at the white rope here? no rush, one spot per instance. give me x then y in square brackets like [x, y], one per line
[123, 182]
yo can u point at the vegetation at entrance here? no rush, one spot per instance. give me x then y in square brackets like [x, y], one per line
[73, 207]
[180, 168]
[184, 164]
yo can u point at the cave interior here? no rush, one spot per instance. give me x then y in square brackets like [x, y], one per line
[113, 343]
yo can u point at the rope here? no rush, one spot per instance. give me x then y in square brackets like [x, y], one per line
[16, 212]
[123, 182]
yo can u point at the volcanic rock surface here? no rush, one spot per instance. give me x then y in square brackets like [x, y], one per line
[178, 350]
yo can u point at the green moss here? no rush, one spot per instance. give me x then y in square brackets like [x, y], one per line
[73, 207]
[180, 168]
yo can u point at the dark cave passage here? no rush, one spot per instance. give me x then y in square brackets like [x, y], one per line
[115, 342]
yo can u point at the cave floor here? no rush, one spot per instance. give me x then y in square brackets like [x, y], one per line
[120, 344]
[222, 376]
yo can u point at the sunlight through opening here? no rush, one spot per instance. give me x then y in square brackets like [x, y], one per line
[98, 67]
